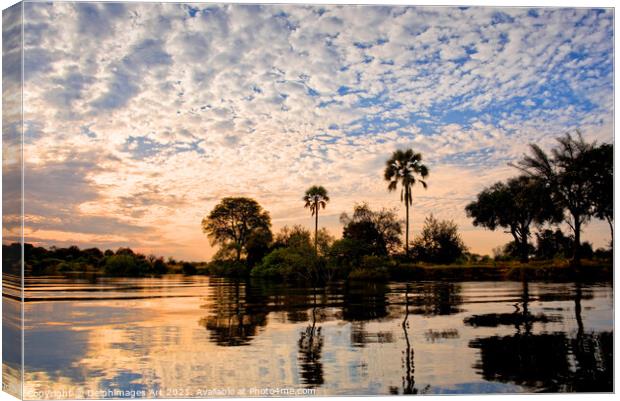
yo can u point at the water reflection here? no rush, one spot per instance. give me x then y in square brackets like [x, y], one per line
[234, 314]
[549, 362]
[400, 338]
[521, 318]
[310, 347]
[408, 378]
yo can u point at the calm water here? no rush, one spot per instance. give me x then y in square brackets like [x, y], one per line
[194, 336]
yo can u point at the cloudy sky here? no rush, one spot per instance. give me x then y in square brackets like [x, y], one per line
[140, 117]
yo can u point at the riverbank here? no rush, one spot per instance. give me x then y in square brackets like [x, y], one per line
[559, 271]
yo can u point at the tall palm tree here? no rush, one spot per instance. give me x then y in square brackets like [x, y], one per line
[405, 167]
[316, 198]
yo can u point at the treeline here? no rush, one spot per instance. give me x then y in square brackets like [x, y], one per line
[123, 262]
[573, 184]
[370, 244]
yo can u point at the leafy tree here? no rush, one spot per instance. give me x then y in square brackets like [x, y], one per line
[406, 168]
[602, 178]
[346, 254]
[439, 242]
[514, 205]
[188, 269]
[232, 223]
[159, 266]
[316, 197]
[380, 229]
[366, 234]
[568, 172]
[514, 250]
[550, 244]
[293, 237]
[258, 246]
[122, 265]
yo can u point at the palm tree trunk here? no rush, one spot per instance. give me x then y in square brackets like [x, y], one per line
[316, 231]
[407, 228]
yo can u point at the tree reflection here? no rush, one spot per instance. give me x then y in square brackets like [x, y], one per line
[522, 319]
[310, 347]
[408, 378]
[551, 362]
[364, 301]
[437, 298]
[234, 314]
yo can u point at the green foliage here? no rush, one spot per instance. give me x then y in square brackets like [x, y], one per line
[553, 244]
[439, 242]
[513, 251]
[287, 263]
[228, 268]
[293, 237]
[123, 262]
[188, 269]
[577, 173]
[601, 161]
[234, 222]
[515, 205]
[380, 230]
[345, 254]
[372, 268]
[316, 198]
[122, 265]
[406, 168]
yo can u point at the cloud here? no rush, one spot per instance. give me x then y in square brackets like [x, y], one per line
[184, 105]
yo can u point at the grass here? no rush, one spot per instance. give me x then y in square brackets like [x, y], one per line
[557, 270]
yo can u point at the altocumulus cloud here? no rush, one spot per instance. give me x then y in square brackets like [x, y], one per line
[141, 116]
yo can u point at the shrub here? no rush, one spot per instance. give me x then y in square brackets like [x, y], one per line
[188, 269]
[439, 242]
[372, 268]
[287, 263]
[121, 265]
[159, 266]
[227, 268]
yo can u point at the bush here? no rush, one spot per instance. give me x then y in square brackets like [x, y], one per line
[188, 269]
[286, 263]
[121, 265]
[439, 242]
[227, 268]
[159, 266]
[372, 268]
[346, 254]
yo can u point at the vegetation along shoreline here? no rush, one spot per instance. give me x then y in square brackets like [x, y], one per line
[571, 185]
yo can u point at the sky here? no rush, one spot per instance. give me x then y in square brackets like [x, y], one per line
[140, 117]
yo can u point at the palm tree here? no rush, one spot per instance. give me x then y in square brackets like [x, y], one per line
[403, 167]
[316, 198]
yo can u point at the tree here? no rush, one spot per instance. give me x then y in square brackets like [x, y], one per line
[439, 242]
[602, 167]
[514, 205]
[550, 244]
[381, 230]
[316, 198]
[568, 172]
[403, 167]
[234, 221]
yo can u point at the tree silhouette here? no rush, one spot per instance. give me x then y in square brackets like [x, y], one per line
[515, 205]
[316, 197]
[406, 168]
[234, 221]
[602, 159]
[568, 172]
